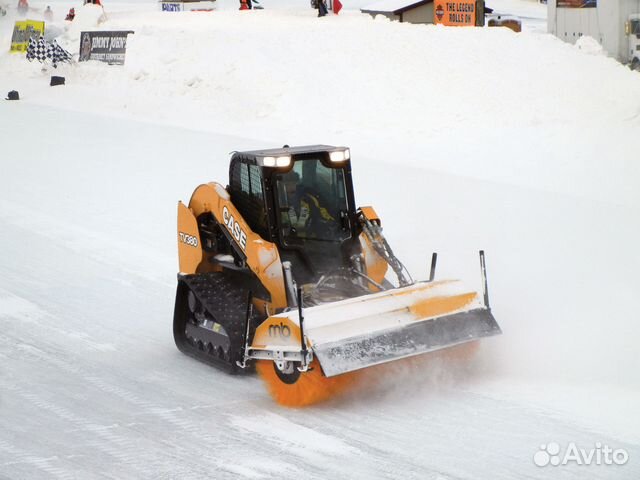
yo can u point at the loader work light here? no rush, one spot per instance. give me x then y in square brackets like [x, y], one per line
[282, 161]
[340, 155]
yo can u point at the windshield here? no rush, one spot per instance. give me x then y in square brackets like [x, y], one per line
[312, 202]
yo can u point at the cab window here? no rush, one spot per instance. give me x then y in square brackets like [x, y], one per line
[312, 202]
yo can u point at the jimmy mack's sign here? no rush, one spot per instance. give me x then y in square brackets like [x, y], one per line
[108, 47]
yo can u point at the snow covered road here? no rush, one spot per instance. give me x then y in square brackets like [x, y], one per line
[93, 387]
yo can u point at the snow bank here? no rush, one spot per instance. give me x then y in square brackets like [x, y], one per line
[440, 98]
[589, 45]
[88, 17]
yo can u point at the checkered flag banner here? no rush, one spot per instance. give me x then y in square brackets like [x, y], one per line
[41, 50]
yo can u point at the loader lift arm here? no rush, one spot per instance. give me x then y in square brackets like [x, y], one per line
[372, 228]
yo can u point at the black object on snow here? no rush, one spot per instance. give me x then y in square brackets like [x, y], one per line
[13, 95]
[55, 80]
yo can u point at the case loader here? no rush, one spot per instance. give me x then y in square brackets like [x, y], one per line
[280, 269]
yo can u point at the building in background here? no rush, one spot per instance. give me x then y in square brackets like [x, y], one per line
[446, 12]
[402, 10]
[615, 24]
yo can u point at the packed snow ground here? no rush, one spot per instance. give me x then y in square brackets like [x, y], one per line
[461, 138]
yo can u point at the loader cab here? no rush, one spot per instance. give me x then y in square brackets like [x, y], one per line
[302, 199]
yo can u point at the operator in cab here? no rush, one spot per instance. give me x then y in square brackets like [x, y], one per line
[304, 214]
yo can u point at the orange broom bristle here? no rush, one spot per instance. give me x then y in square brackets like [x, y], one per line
[311, 387]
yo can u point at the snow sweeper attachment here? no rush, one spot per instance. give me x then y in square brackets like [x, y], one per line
[279, 271]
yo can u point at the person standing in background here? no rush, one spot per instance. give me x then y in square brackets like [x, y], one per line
[322, 8]
[23, 6]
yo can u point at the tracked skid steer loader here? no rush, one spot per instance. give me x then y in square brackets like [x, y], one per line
[281, 270]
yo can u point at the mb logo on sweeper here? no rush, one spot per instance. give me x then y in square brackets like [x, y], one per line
[279, 331]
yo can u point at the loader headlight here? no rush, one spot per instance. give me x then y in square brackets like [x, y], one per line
[282, 161]
[340, 155]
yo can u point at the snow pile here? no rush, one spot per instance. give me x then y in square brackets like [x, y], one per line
[589, 45]
[88, 18]
[417, 86]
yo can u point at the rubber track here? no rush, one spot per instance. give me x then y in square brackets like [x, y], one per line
[224, 300]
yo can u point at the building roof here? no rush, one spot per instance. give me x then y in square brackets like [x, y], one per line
[393, 6]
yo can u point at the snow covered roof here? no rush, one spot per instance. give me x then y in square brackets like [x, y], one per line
[393, 6]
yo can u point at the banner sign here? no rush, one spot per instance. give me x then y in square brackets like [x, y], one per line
[108, 47]
[187, 5]
[22, 32]
[577, 3]
[172, 6]
[455, 13]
